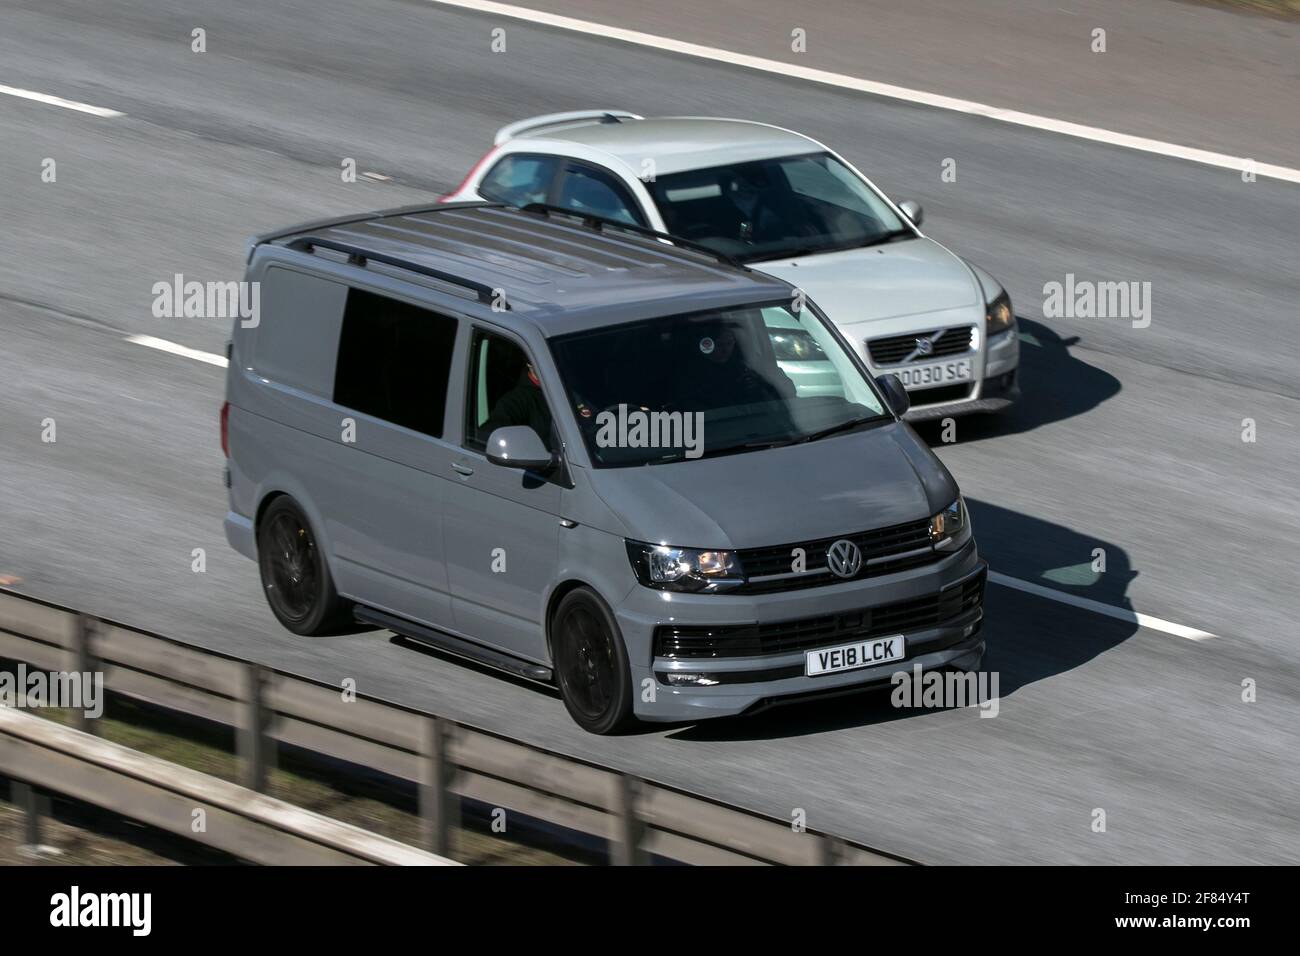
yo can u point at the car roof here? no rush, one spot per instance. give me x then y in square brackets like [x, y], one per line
[562, 272]
[681, 143]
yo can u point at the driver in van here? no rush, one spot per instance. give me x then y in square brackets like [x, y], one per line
[522, 405]
[717, 374]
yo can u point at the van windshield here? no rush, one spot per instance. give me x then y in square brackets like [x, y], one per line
[712, 383]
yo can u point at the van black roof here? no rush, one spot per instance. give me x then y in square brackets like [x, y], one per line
[555, 266]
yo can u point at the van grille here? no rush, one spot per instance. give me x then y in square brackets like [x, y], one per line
[898, 348]
[884, 551]
[754, 640]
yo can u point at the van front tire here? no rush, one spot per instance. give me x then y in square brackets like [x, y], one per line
[295, 575]
[591, 668]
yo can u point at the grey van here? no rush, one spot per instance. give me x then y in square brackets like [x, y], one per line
[589, 455]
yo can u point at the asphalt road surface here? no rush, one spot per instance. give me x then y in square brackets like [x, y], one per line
[1128, 440]
[1193, 73]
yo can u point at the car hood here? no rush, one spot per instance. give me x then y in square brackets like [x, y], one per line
[838, 485]
[881, 282]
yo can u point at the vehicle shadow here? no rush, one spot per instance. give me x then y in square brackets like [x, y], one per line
[1030, 637]
[428, 650]
[1054, 385]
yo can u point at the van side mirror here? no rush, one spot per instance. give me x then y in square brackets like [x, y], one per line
[518, 446]
[912, 209]
[895, 393]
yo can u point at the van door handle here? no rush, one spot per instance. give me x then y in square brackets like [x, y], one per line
[461, 468]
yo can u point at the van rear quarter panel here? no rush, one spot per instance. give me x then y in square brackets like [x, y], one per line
[373, 501]
[268, 386]
[280, 371]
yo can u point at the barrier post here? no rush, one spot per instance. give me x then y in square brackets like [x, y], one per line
[439, 807]
[253, 742]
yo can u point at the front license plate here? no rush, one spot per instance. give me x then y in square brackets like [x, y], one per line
[940, 373]
[847, 657]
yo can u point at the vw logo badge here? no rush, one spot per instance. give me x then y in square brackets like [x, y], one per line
[843, 558]
[924, 346]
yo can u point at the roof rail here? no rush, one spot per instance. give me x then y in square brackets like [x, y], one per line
[534, 123]
[350, 218]
[359, 257]
[601, 223]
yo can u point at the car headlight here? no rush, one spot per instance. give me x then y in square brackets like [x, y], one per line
[684, 569]
[999, 317]
[950, 528]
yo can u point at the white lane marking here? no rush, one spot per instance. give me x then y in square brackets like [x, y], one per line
[162, 345]
[1123, 614]
[58, 101]
[843, 81]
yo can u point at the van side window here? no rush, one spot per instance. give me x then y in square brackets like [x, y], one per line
[503, 390]
[519, 179]
[296, 343]
[394, 361]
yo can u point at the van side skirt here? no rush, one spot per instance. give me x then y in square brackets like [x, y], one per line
[489, 657]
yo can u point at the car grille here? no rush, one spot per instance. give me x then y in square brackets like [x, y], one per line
[897, 348]
[754, 640]
[884, 551]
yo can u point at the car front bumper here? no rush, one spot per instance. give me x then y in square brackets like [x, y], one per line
[996, 390]
[995, 395]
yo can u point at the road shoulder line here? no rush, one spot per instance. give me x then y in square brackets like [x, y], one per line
[59, 101]
[843, 81]
[1097, 607]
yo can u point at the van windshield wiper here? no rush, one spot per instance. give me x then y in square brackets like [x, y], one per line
[849, 425]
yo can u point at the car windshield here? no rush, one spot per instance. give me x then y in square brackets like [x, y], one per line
[712, 383]
[776, 208]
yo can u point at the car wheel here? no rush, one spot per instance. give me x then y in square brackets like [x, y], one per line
[591, 666]
[295, 576]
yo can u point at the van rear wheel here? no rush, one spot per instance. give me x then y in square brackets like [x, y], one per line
[295, 576]
[591, 666]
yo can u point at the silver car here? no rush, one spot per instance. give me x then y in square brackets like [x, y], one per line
[589, 455]
[786, 205]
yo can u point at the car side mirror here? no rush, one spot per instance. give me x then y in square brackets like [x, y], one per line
[895, 394]
[518, 446]
[912, 209]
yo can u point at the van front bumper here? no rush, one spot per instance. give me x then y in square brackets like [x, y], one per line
[845, 613]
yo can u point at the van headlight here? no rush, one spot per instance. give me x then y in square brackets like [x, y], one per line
[684, 569]
[999, 316]
[950, 528]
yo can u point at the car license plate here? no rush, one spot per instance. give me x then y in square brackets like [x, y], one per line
[847, 657]
[940, 373]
